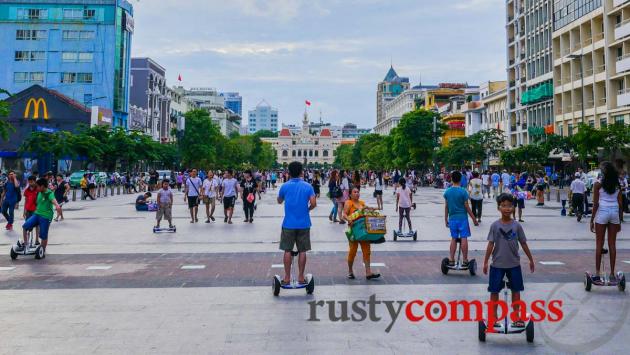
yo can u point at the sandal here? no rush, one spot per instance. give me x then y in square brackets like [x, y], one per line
[351, 276]
[303, 282]
[451, 263]
[465, 263]
[284, 283]
[373, 276]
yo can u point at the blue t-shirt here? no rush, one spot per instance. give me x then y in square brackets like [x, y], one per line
[296, 194]
[464, 180]
[11, 192]
[456, 196]
[495, 179]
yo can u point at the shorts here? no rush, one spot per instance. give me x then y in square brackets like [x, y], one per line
[514, 276]
[378, 192]
[193, 201]
[37, 220]
[28, 214]
[164, 212]
[229, 201]
[607, 215]
[208, 200]
[299, 237]
[459, 228]
[519, 202]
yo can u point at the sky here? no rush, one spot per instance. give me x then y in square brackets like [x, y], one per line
[330, 52]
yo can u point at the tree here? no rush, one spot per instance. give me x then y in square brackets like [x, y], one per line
[616, 139]
[202, 141]
[487, 143]
[414, 139]
[587, 141]
[266, 134]
[5, 127]
[343, 157]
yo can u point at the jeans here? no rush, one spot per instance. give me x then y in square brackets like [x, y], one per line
[476, 206]
[248, 207]
[578, 203]
[8, 209]
[333, 212]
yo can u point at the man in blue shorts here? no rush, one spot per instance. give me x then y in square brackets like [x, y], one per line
[299, 198]
[456, 212]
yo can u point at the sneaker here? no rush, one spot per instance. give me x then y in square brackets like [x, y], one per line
[19, 247]
[251, 220]
[225, 220]
[212, 218]
[9, 227]
[208, 220]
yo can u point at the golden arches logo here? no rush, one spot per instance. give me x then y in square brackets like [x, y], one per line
[35, 103]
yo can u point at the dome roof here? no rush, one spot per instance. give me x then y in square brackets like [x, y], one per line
[285, 133]
[325, 133]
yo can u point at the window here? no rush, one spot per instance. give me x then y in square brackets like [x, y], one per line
[30, 35]
[87, 34]
[285, 153]
[89, 14]
[70, 35]
[69, 56]
[37, 77]
[293, 153]
[72, 14]
[86, 57]
[619, 119]
[603, 122]
[68, 78]
[32, 14]
[20, 77]
[325, 153]
[23, 56]
[317, 153]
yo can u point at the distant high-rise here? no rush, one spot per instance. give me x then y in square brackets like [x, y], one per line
[264, 117]
[387, 90]
[78, 48]
[233, 101]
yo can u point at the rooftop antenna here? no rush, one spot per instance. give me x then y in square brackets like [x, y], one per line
[320, 117]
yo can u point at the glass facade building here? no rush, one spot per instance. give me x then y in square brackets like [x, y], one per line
[78, 48]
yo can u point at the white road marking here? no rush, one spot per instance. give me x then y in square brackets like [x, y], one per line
[99, 267]
[551, 263]
[277, 266]
[7, 268]
[627, 261]
[377, 264]
[193, 267]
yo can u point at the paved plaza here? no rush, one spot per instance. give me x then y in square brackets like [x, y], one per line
[109, 285]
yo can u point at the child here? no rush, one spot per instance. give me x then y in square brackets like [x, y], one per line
[456, 212]
[142, 202]
[30, 202]
[43, 214]
[165, 203]
[503, 240]
[519, 202]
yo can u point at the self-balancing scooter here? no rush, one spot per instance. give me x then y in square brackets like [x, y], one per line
[506, 327]
[604, 279]
[293, 284]
[165, 229]
[459, 264]
[29, 248]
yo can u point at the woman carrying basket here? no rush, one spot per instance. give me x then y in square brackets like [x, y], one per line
[350, 206]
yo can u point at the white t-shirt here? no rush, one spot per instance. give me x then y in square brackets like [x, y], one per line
[194, 190]
[404, 198]
[475, 189]
[578, 186]
[210, 186]
[229, 187]
[345, 185]
[486, 179]
[377, 185]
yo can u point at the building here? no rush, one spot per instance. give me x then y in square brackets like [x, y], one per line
[305, 146]
[233, 101]
[209, 99]
[495, 110]
[149, 92]
[80, 49]
[475, 111]
[263, 117]
[591, 69]
[394, 109]
[179, 106]
[350, 130]
[316, 128]
[449, 100]
[38, 109]
[391, 86]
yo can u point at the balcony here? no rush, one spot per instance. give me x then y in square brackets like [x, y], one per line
[618, 2]
[600, 68]
[623, 63]
[587, 42]
[590, 104]
[511, 39]
[622, 29]
[588, 71]
[623, 97]
[601, 102]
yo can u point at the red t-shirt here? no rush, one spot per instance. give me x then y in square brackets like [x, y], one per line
[30, 198]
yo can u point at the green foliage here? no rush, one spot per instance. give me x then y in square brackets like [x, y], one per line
[202, 140]
[343, 157]
[266, 134]
[529, 157]
[414, 139]
[5, 127]
[472, 149]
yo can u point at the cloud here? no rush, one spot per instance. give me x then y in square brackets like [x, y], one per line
[478, 4]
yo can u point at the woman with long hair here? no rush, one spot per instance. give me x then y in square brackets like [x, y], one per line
[345, 189]
[334, 187]
[352, 205]
[607, 215]
[404, 201]
[356, 180]
[378, 190]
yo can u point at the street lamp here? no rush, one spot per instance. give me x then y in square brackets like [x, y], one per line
[580, 57]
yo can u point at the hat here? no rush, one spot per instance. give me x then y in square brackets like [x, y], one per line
[577, 174]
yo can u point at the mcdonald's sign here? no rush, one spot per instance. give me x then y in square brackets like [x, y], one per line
[35, 103]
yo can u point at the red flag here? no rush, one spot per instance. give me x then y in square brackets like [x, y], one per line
[179, 78]
[308, 103]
